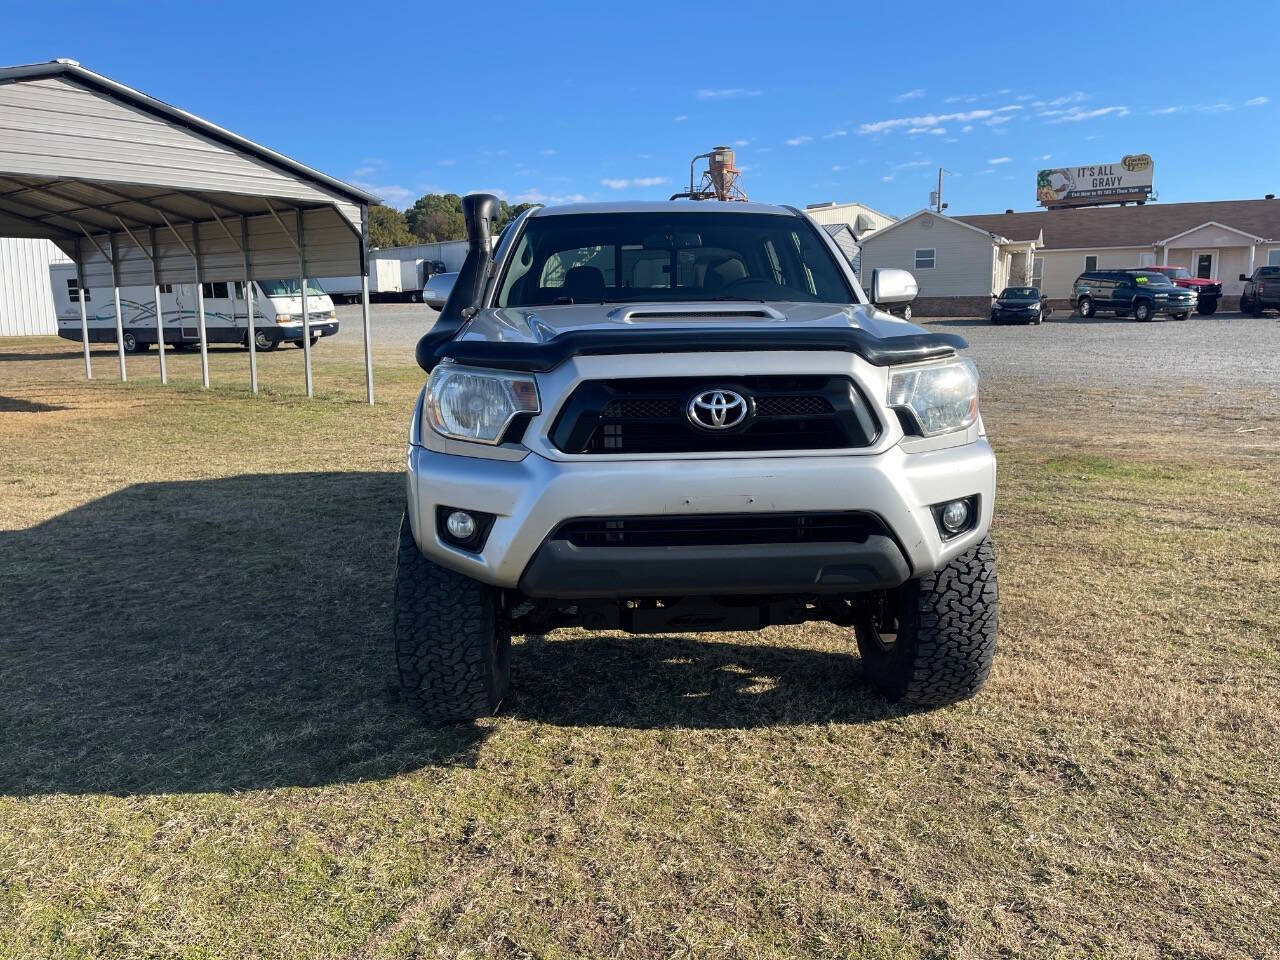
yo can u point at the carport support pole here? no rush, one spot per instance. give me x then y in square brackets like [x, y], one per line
[84, 314]
[115, 287]
[251, 331]
[204, 340]
[364, 302]
[155, 284]
[302, 288]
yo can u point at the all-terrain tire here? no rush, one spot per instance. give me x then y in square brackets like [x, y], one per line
[946, 634]
[1085, 307]
[1207, 308]
[453, 650]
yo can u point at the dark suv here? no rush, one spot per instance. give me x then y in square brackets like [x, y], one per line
[1144, 294]
[1261, 291]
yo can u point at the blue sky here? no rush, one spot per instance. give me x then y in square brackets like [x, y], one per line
[551, 102]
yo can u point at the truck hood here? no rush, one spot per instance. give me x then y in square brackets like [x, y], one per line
[544, 324]
[1195, 282]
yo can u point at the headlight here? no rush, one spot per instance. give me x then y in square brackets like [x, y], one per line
[284, 318]
[469, 404]
[940, 397]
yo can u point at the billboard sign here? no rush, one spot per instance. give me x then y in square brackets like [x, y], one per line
[1130, 179]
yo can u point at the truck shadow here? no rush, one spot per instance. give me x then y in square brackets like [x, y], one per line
[234, 634]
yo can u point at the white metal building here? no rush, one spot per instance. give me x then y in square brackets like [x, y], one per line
[833, 213]
[26, 302]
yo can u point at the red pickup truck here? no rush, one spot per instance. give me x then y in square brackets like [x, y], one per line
[1210, 290]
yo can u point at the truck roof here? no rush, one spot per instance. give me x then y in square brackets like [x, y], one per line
[663, 206]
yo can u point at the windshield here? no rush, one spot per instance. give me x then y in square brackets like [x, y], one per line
[1269, 272]
[1178, 273]
[288, 288]
[1019, 293]
[1149, 279]
[643, 257]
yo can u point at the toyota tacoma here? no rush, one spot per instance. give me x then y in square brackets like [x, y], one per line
[688, 416]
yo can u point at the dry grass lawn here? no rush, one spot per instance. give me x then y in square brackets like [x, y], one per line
[204, 755]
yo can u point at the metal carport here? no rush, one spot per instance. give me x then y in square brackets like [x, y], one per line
[138, 192]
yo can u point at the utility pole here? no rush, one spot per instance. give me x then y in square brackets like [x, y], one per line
[935, 196]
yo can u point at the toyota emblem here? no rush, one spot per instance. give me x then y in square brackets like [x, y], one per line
[718, 409]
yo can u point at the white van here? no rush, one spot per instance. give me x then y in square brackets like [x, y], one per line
[277, 310]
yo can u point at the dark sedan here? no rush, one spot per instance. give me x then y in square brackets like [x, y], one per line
[1020, 305]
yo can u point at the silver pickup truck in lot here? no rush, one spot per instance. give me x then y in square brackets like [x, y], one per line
[686, 416]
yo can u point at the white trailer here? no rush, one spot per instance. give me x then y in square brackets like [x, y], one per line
[277, 312]
[399, 273]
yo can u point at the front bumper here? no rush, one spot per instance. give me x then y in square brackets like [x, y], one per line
[293, 331]
[1169, 307]
[1015, 314]
[531, 496]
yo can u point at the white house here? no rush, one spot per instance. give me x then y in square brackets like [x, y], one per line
[958, 266]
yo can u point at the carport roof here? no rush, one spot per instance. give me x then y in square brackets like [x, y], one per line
[88, 162]
[1087, 228]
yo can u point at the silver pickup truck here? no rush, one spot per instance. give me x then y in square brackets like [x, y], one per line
[686, 416]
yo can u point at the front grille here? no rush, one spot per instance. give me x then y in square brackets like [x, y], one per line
[719, 529]
[649, 415]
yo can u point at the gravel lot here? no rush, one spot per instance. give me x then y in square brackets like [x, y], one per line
[1224, 349]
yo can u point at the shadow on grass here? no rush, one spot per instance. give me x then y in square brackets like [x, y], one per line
[18, 405]
[234, 634]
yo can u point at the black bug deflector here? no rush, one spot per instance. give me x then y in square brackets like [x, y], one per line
[542, 357]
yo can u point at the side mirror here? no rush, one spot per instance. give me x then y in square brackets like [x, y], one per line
[1244, 276]
[889, 285]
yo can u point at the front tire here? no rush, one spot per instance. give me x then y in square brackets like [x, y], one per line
[935, 638]
[906, 313]
[262, 342]
[1207, 309]
[1142, 311]
[1086, 307]
[453, 650]
[132, 344]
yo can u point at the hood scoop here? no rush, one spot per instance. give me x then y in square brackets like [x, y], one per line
[701, 312]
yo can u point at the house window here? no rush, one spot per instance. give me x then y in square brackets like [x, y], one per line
[1146, 259]
[1273, 258]
[166, 288]
[1204, 266]
[926, 258]
[1090, 263]
[1037, 273]
[214, 291]
[73, 291]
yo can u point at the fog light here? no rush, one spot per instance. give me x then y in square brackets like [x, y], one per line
[954, 516]
[461, 525]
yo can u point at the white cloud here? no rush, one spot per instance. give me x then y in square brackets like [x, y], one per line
[443, 163]
[967, 128]
[936, 131]
[835, 169]
[393, 195]
[1076, 97]
[994, 160]
[364, 172]
[887, 178]
[1257, 101]
[910, 164]
[951, 140]
[996, 121]
[835, 133]
[909, 95]
[1024, 97]
[741, 143]
[799, 141]
[1045, 156]
[680, 119]
[549, 152]
[929, 120]
[983, 173]
[1075, 114]
[622, 183]
[1165, 111]
[727, 93]
[537, 196]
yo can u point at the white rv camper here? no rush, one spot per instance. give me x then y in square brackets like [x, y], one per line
[277, 312]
